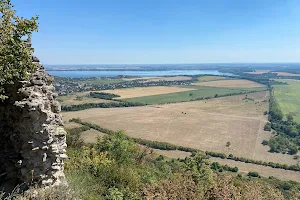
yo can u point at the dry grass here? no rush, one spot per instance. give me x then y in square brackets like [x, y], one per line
[79, 98]
[262, 170]
[145, 91]
[286, 74]
[259, 72]
[207, 125]
[90, 136]
[70, 125]
[230, 83]
[173, 153]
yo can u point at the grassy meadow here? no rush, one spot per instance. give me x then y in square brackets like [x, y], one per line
[199, 92]
[288, 97]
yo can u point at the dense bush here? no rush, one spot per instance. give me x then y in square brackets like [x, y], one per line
[101, 105]
[254, 174]
[103, 95]
[267, 127]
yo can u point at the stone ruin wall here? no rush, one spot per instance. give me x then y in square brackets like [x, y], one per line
[32, 138]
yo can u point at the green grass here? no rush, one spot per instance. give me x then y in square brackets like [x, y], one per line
[288, 97]
[200, 92]
[210, 78]
[103, 81]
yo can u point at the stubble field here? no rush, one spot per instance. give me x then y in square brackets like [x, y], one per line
[146, 91]
[206, 125]
[230, 83]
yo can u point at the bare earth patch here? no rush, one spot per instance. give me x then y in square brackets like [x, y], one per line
[206, 125]
[262, 170]
[145, 91]
[230, 83]
[286, 74]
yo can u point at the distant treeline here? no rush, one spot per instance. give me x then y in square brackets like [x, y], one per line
[103, 95]
[168, 146]
[101, 105]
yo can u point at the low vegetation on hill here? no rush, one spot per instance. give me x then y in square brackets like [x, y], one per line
[117, 168]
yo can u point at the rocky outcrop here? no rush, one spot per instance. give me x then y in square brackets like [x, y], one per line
[32, 138]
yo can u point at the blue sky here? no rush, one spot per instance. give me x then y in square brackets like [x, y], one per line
[164, 31]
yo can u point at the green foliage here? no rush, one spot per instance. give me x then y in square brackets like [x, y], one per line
[280, 144]
[15, 55]
[100, 105]
[114, 194]
[73, 136]
[254, 174]
[103, 95]
[267, 127]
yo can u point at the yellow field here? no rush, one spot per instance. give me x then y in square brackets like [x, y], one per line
[145, 91]
[205, 125]
[230, 83]
[286, 74]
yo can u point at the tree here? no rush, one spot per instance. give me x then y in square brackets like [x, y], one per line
[15, 55]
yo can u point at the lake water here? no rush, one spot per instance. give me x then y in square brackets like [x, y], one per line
[86, 74]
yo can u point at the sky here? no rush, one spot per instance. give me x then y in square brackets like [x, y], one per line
[164, 31]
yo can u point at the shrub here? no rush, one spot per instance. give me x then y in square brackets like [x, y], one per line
[254, 174]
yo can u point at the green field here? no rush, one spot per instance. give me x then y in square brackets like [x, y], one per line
[211, 78]
[288, 97]
[200, 92]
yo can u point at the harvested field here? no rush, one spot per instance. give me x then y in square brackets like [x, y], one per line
[70, 125]
[230, 83]
[259, 72]
[90, 136]
[146, 91]
[79, 98]
[206, 125]
[262, 170]
[286, 74]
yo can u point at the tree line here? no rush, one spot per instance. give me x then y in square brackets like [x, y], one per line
[103, 95]
[101, 105]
